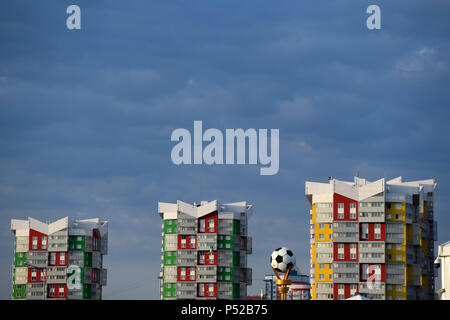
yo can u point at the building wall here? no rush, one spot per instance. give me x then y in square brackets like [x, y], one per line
[204, 249]
[360, 227]
[44, 259]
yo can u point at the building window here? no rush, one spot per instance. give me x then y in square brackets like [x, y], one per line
[53, 258]
[376, 214]
[33, 275]
[398, 206]
[377, 204]
[340, 211]
[364, 231]
[202, 225]
[34, 244]
[211, 225]
[321, 226]
[51, 291]
[378, 274]
[353, 251]
[353, 288]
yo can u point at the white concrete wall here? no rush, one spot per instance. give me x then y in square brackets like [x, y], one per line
[444, 255]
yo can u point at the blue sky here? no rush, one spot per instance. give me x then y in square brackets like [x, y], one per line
[86, 116]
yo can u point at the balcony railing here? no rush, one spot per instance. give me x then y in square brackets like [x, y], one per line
[346, 267]
[345, 277]
[345, 227]
[345, 237]
[186, 294]
[372, 259]
[372, 288]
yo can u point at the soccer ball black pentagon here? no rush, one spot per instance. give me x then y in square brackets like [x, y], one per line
[281, 259]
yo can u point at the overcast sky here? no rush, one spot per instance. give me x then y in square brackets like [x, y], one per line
[86, 115]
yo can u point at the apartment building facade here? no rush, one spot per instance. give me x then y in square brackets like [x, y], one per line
[59, 260]
[373, 238]
[204, 250]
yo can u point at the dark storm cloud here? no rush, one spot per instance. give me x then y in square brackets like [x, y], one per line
[86, 116]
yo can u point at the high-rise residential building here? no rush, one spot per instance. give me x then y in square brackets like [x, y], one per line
[299, 289]
[373, 238]
[59, 260]
[204, 250]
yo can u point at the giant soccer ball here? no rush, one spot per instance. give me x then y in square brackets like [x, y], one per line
[281, 259]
